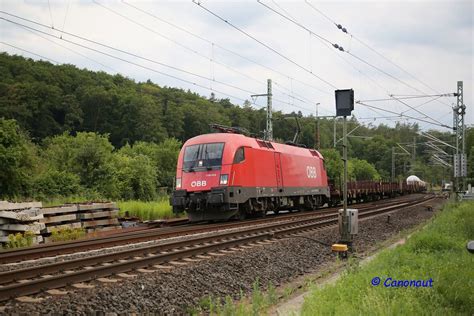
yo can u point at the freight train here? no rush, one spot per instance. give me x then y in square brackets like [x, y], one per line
[228, 175]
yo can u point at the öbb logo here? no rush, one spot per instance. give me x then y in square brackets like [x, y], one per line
[198, 183]
[311, 172]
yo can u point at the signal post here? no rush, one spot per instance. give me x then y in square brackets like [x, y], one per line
[348, 218]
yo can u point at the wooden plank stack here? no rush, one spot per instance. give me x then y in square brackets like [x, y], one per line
[20, 218]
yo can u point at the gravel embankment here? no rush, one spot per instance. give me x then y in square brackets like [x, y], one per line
[90, 253]
[176, 291]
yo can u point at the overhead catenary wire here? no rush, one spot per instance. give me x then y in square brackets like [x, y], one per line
[212, 59]
[403, 97]
[30, 52]
[330, 48]
[226, 49]
[265, 45]
[71, 50]
[335, 45]
[340, 48]
[136, 64]
[139, 65]
[127, 61]
[50, 14]
[65, 15]
[377, 117]
[123, 52]
[344, 30]
[404, 115]
[424, 103]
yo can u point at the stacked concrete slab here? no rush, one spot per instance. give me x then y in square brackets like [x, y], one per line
[23, 217]
[20, 218]
[93, 217]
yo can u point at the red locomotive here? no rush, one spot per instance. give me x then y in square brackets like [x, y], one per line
[225, 175]
[229, 175]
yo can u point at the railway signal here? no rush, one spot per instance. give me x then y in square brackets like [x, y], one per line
[344, 107]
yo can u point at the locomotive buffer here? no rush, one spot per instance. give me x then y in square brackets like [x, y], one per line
[348, 218]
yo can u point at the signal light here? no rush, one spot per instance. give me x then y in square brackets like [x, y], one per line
[178, 183]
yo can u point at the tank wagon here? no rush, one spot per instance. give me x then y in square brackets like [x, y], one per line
[225, 175]
[221, 176]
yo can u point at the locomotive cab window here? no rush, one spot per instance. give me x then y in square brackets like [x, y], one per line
[239, 155]
[203, 156]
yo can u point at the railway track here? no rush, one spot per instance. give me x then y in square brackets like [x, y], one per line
[56, 275]
[54, 249]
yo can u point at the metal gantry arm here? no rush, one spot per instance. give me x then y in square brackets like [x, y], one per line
[349, 133]
[399, 145]
[433, 138]
[439, 150]
[269, 126]
[441, 161]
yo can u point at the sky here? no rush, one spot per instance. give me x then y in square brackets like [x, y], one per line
[392, 50]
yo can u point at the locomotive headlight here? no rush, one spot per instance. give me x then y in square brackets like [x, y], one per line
[178, 183]
[224, 179]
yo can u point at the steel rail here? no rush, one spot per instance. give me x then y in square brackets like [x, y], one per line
[127, 260]
[53, 249]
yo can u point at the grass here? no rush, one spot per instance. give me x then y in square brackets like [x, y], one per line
[57, 201]
[151, 210]
[256, 304]
[147, 210]
[437, 252]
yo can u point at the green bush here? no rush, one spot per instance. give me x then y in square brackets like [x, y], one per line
[360, 169]
[163, 156]
[54, 183]
[86, 155]
[20, 240]
[136, 177]
[65, 234]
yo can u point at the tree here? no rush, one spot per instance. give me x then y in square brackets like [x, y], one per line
[164, 157]
[362, 170]
[48, 100]
[136, 177]
[16, 160]
[87, 155]
[334, 165]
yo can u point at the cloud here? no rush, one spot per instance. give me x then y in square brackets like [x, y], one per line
[431, 40]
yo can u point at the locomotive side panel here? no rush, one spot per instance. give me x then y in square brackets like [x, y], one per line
[257, 170]
[303, 171]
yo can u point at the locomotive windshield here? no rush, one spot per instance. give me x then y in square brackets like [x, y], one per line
[203, 156]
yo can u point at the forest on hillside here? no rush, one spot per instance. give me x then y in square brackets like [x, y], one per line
[68, 131]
